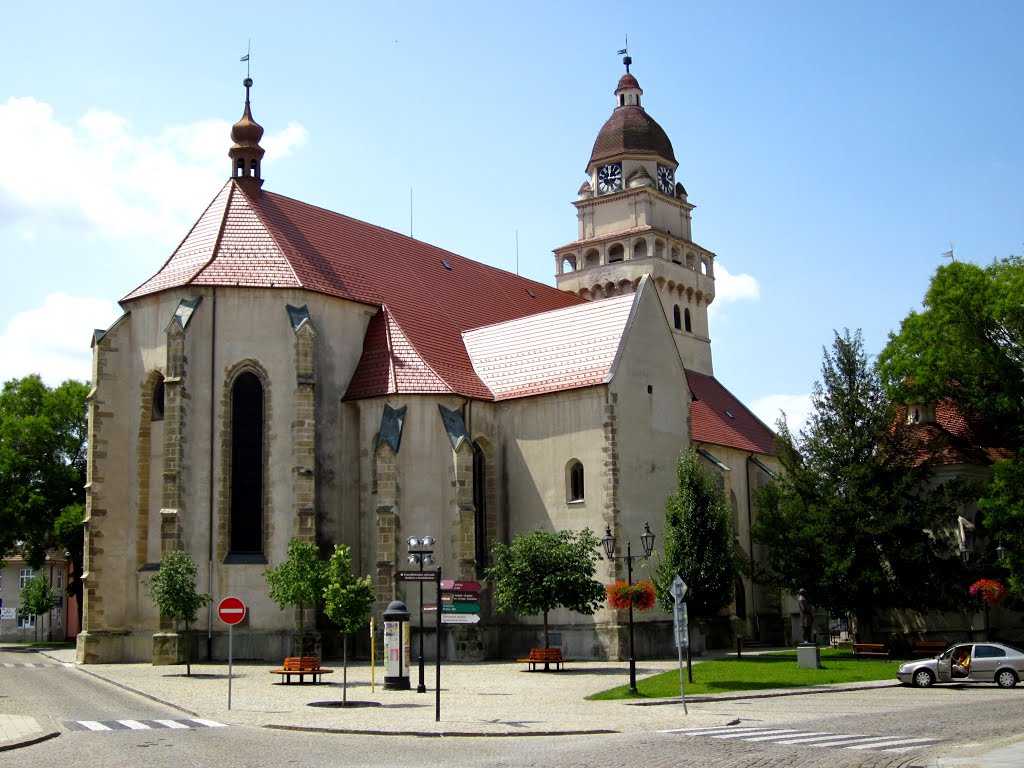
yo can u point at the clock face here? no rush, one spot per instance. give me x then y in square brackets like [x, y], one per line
[609, 178]
[666, 179]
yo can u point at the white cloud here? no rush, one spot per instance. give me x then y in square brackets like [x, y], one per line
[54, 340]
[730, 287]
[136, 184]
[796, 407]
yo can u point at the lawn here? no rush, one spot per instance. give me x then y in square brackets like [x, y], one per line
[756, 673]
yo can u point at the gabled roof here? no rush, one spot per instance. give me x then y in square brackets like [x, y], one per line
[551, 351]
[717, 417]
[957, 438]
[261, 239]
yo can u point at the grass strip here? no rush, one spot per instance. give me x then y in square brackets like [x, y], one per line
[757, 673]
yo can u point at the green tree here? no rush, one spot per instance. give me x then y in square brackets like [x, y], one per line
[173, 590]
[42, 465]
[967, 344]
[543, 570]
[698, 544]
[300, 581]
[347, 602]
[36, 598]
[854, 518]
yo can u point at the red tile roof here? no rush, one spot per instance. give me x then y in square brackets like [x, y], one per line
[262, 239]
[717, 417]
[551, 351]
[957, 438]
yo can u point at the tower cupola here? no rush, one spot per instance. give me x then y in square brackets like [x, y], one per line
[246, 153]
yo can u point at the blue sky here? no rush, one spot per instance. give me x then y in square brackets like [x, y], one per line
[834, 150]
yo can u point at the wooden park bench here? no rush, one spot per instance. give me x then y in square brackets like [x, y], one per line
[929, 647]
[544, 656]
[871, 649]
[302, 666]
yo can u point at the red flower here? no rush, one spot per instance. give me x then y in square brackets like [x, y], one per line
[988, 590]
[642, 595]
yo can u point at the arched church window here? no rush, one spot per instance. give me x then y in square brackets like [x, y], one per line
[480, 506]
[640, 249]
[616, 253]
[622, 99]
[247, 419]
[574, 471]
[675, 317]
[240, 169]
[686, 320]
[156, 412]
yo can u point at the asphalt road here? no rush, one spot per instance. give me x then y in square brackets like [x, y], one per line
[946, 720]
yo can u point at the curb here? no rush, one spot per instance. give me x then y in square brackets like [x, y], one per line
[439, 734]
[29, 742]
[707, 698]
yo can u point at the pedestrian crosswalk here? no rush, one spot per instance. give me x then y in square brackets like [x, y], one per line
[140, 725]
[38, 664]
[794, 737]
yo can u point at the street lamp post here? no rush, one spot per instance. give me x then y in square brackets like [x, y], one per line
[647, 540]
[421, 553]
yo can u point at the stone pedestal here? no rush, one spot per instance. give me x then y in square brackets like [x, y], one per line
[168, 648]
[808, 656]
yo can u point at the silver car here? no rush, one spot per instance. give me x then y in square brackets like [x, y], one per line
[967, 663]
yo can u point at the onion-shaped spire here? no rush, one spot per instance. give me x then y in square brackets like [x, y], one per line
[247, 153]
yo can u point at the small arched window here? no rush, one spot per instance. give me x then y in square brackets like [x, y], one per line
[480, 505]
[616, 253]
[686, 319]
[575, 480]
[675, 317]
[156, 412]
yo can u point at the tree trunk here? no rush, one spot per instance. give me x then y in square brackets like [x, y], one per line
[188, 652]
[344, 668]
[546, 645]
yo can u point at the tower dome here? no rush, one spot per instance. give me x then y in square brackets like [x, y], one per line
[630, 130]
[246, 153]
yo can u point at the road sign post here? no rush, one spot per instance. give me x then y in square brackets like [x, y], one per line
[680, 626]
[231, 611]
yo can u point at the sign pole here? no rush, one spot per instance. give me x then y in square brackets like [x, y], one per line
[231, 632]
[681, 629]
[437, 681]
[373, 660]
[231, 611]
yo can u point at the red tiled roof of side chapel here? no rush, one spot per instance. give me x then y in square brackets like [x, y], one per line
[717, 417]
[430, 295]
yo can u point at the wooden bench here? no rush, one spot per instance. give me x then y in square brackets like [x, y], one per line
[871, 649]
[302, 666]
[929, 647]
[545, 656]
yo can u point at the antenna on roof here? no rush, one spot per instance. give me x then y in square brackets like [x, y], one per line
[517, 251]
[624, 53]
[410, 211]
[248, 48]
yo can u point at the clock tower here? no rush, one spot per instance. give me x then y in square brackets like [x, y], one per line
[634, 219]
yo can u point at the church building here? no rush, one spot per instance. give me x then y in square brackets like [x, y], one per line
[293, 372]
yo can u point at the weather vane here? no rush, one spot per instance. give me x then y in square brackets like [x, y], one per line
[245, 58]
[624, 52]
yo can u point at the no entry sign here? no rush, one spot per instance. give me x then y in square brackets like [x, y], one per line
[231, 610]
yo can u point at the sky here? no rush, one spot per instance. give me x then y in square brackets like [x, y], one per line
[835, 151]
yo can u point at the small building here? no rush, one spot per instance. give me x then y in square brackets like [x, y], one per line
[61, 623]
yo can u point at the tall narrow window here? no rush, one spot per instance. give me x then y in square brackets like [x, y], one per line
[480, 505]
[247, 465]
[686, 321]
[675, 317]
[575, 481]
[156, 413]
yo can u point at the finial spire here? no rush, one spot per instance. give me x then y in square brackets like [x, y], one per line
[247, 153]
[245, 58]
[624, 53]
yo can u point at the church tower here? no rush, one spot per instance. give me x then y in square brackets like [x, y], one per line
[634, 219]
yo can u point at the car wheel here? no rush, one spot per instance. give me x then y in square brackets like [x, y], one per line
[1006, 678]
[923, 678]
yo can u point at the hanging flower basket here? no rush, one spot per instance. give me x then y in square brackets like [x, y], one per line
[988, 591]
[641, 594]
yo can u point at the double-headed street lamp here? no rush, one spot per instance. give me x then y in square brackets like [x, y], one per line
[421, 553]
[647, 540]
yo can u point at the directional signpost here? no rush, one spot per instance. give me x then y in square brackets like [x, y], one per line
[680, 624]
[231, 611]
[460, 602]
